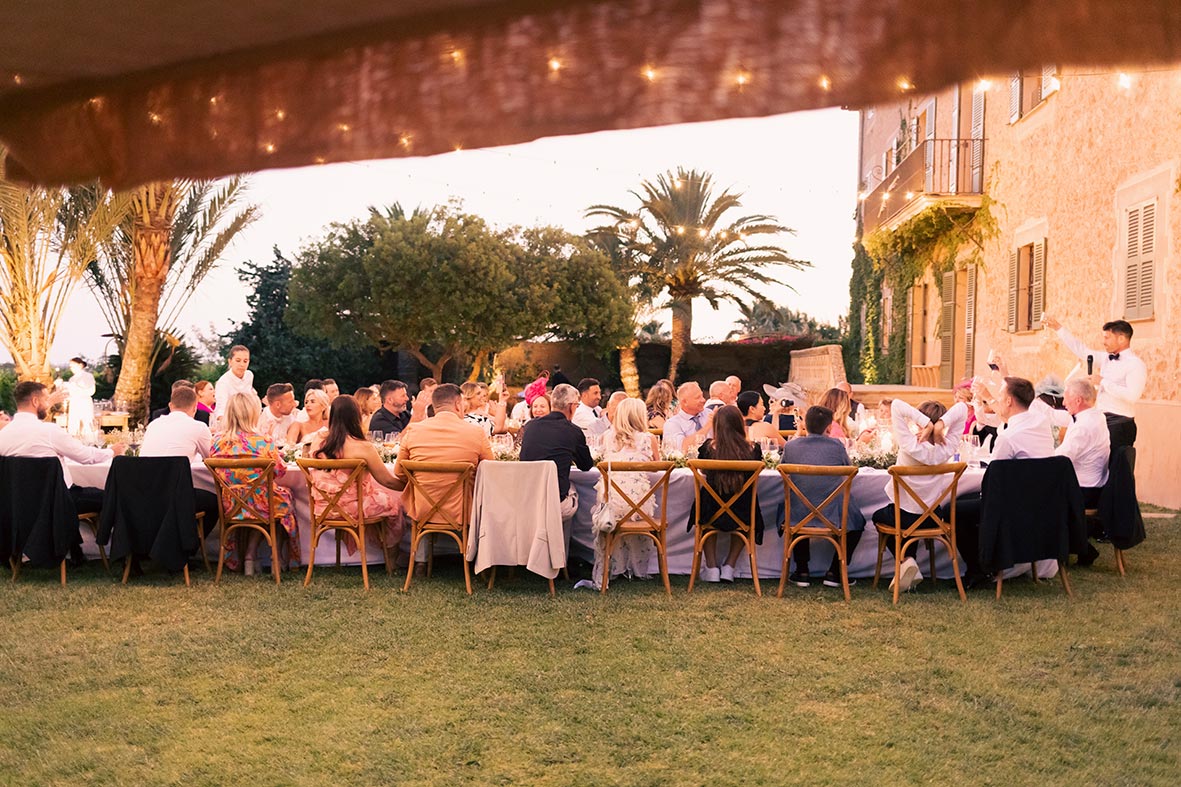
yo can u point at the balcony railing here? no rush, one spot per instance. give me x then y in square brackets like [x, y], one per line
[936, 170]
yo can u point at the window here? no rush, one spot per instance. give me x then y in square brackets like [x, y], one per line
[1027, 89]
[1139, 261]
[1027, 286]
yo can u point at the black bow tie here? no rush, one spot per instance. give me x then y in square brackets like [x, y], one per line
[1113, 356]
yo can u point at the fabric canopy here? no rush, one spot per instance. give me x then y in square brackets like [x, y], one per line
[135, 91]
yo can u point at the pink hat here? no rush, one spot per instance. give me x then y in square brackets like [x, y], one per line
[535, 388]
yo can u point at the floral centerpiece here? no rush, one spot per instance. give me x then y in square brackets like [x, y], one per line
[873, 454]
[505, 454]
[132, 438]
[388, 452]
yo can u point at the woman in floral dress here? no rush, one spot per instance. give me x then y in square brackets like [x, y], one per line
[240, 441]
[344, 439]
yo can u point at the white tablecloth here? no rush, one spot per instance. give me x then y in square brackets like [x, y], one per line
[868, 495]
[517, 518]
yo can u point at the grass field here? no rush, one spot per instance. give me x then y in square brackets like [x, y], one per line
[156, 683]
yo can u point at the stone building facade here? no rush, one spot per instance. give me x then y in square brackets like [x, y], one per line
[1082, 170]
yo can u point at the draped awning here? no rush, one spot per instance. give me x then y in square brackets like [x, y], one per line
[136, 91]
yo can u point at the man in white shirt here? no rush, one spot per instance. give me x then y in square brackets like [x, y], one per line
[719, 395]
[331, 388]
[735, 383]
[279, 414]
[1118, 374]
[180, 434]
[29, 435]
[1087, 442]
[589, 395]
[238, 379]
[1027, 433]
[691, 424]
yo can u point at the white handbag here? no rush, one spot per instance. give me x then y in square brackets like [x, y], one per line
[603, 519]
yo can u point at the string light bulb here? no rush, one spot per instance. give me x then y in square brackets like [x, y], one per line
[555, 65]
[742, 78]
[649, 73]
[17, 79]
[984, 85]
[702, 232]
[1124, 80]
[457, 56]
[680, 230]
[343, 128]
[863, 196]
[824, 82]
[156, 118]
[885, 196]
[909, 195]
[269, 147]
[280, 114]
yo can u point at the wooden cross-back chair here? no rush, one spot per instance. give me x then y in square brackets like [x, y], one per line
[242, 514]
[929, 527]
[815, 524]
[635, 521]
[704, 530]
[336, 517]
[436, 520]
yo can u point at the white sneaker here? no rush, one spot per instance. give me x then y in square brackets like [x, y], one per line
[727, 573]
[909, 575]
[586, 584]
[710, 574]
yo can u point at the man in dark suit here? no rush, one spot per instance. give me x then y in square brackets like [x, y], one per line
[554, 438]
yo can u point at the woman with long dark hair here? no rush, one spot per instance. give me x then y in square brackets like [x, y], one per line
[729, 442]
[344, 439]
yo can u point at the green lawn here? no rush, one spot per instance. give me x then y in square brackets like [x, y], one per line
[156, 683]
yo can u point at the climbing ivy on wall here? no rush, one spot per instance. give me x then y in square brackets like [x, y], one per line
[938, 238]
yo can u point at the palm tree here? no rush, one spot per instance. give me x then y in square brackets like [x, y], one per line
[176, 234]
[675, 242]
[47, 238]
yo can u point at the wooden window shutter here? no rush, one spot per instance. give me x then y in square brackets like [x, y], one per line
[947, 331]
[1147, 258]
[976, 154]
[1014, 267]
[970, 324]
[1049, 73]
[1015, 97]
[1037, 285]
[929, 132]
[1132, 266]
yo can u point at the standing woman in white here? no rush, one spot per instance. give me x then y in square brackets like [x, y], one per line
[239, 379]
[80, 390]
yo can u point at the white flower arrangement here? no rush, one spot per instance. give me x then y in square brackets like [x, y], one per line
[388, 453]
[678, 458]
[873, 454]
[507, 455]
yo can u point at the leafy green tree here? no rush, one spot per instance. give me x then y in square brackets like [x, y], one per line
[438, 279]
[676, 241]
[761, 318]
[279, 354]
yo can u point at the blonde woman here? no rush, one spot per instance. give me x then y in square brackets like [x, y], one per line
[478, 411]
[315, 404]
[239, 441]
[659, 405]
[628, 440]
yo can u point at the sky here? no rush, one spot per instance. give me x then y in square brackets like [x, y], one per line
[800, 168]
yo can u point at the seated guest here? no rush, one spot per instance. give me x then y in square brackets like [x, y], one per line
[30, 435]
[1027, 432]
[367, 403]
[279, 414]
[817, 448]
[521, 413]
[393, 416]
[719, 395]
[5, 419]
[316, 407]
[555, 438]
[315, 384]
[729, 443]
[735, 384]
[691, 424]
[421, 407]
[478, 408]
[332, 389]
[603, 423]
[856, 409]
[445, 437]
[166, 409]
[206, 399]
[659, 404]
[241, 440]
[838, 402]
[628, 440]
[589, 393]
[1087, 442]
[938, 439]
[540, 407]
[180, 434]
[786, 403]
[750, 404]
[344, 439]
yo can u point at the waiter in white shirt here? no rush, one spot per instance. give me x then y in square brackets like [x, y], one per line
[1117, 373]
[80, 389]
[238, 379]
[180, 434]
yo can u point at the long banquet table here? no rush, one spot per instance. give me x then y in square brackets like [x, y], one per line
[868, 495]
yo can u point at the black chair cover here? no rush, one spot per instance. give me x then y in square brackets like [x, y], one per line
[149, 510]
[37, 516]
[1031, 509]
[1118, 507]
